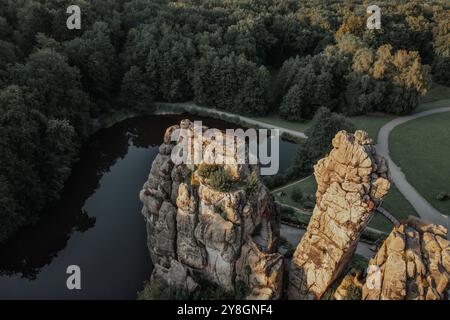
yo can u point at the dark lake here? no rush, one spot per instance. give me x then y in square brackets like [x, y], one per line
[97, 223]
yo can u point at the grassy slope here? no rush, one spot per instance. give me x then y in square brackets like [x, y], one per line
[307, 186]
[422, 149]
[438, 96]
[394, 202]
[437, 92]
[371, 123]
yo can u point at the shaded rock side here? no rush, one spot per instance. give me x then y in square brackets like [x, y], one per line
[352, 179]
[210, 234]
[412, 264]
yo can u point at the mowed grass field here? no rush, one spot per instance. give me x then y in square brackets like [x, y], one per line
[421, 148]
[394, 202]
[371, 123]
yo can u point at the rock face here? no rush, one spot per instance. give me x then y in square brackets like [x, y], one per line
[413, 263]
[351, 181]
[196, 230]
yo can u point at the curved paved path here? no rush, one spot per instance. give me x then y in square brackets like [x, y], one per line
[425, 210]
[191, 106]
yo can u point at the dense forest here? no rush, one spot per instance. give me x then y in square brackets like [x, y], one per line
[299, 59]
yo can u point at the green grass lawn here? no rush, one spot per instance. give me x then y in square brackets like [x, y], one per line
[422, 149]
[433, 105]
[438, 96]
[394, 202]
[371, 123]
[307, 186]
[437, 92]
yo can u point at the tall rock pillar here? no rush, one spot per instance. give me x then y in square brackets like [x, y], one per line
[352, 180]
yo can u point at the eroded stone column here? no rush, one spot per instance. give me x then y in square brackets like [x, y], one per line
[351, 181]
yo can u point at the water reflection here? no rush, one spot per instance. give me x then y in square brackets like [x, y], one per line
[97, 222]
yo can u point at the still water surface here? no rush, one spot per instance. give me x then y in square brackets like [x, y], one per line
[97, 223]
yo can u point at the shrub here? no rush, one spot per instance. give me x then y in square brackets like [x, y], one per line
[290, 215]
[308, 205]
[206, 170]
[323, 128]
[252, 184]
[443, 196]
[353, 293]
[297, 195]
[218, 178]
[272, 182]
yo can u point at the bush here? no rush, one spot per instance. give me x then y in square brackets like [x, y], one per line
[251, 184]
[443, 196]
[273, 182]
[354, 293]
[290, 215]
[308, 205]
[206, 170]
[297, 195]
[218, 178]
[324, 127]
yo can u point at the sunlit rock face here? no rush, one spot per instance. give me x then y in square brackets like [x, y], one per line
[200, 230]
[352, 180]
[413, 263]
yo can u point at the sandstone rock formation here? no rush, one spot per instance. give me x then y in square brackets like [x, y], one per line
[198, 232]
[413, 263]
[352, 179]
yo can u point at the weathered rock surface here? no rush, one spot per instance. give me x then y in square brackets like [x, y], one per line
[413, 264]
[351, 181]
[198, 232]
